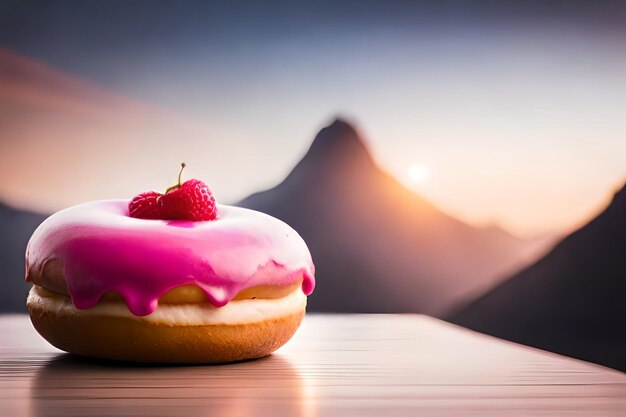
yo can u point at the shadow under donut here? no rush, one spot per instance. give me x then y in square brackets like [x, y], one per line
[70, 385]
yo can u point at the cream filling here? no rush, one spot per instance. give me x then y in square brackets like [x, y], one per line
[235, 312]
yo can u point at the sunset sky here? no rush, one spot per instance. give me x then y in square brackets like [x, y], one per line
[495, 113]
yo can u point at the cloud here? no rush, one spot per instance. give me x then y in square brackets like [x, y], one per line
[64, 140]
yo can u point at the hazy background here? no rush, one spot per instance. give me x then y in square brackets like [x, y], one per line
[514, 110]
[476, 172]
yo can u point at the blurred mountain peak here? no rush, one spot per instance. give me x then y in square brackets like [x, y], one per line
[339, 139]
[375, 242]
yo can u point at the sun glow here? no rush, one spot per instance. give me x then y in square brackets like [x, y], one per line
[419, 173]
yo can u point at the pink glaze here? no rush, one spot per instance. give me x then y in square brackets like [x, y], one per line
[102, 250]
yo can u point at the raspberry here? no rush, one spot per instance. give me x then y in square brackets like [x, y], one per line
[192, 200]
[146, 206]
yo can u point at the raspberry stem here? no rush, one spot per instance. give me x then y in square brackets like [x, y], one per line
[173, 187]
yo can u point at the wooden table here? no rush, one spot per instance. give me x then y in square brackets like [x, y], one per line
[359, 365]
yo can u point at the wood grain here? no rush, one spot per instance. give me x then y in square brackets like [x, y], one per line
[348, 365]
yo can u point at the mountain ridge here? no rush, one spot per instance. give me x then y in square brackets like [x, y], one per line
[16, 227]
[358, 219]
[577, 291]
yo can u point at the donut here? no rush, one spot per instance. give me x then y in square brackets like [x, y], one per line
[108, 285]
